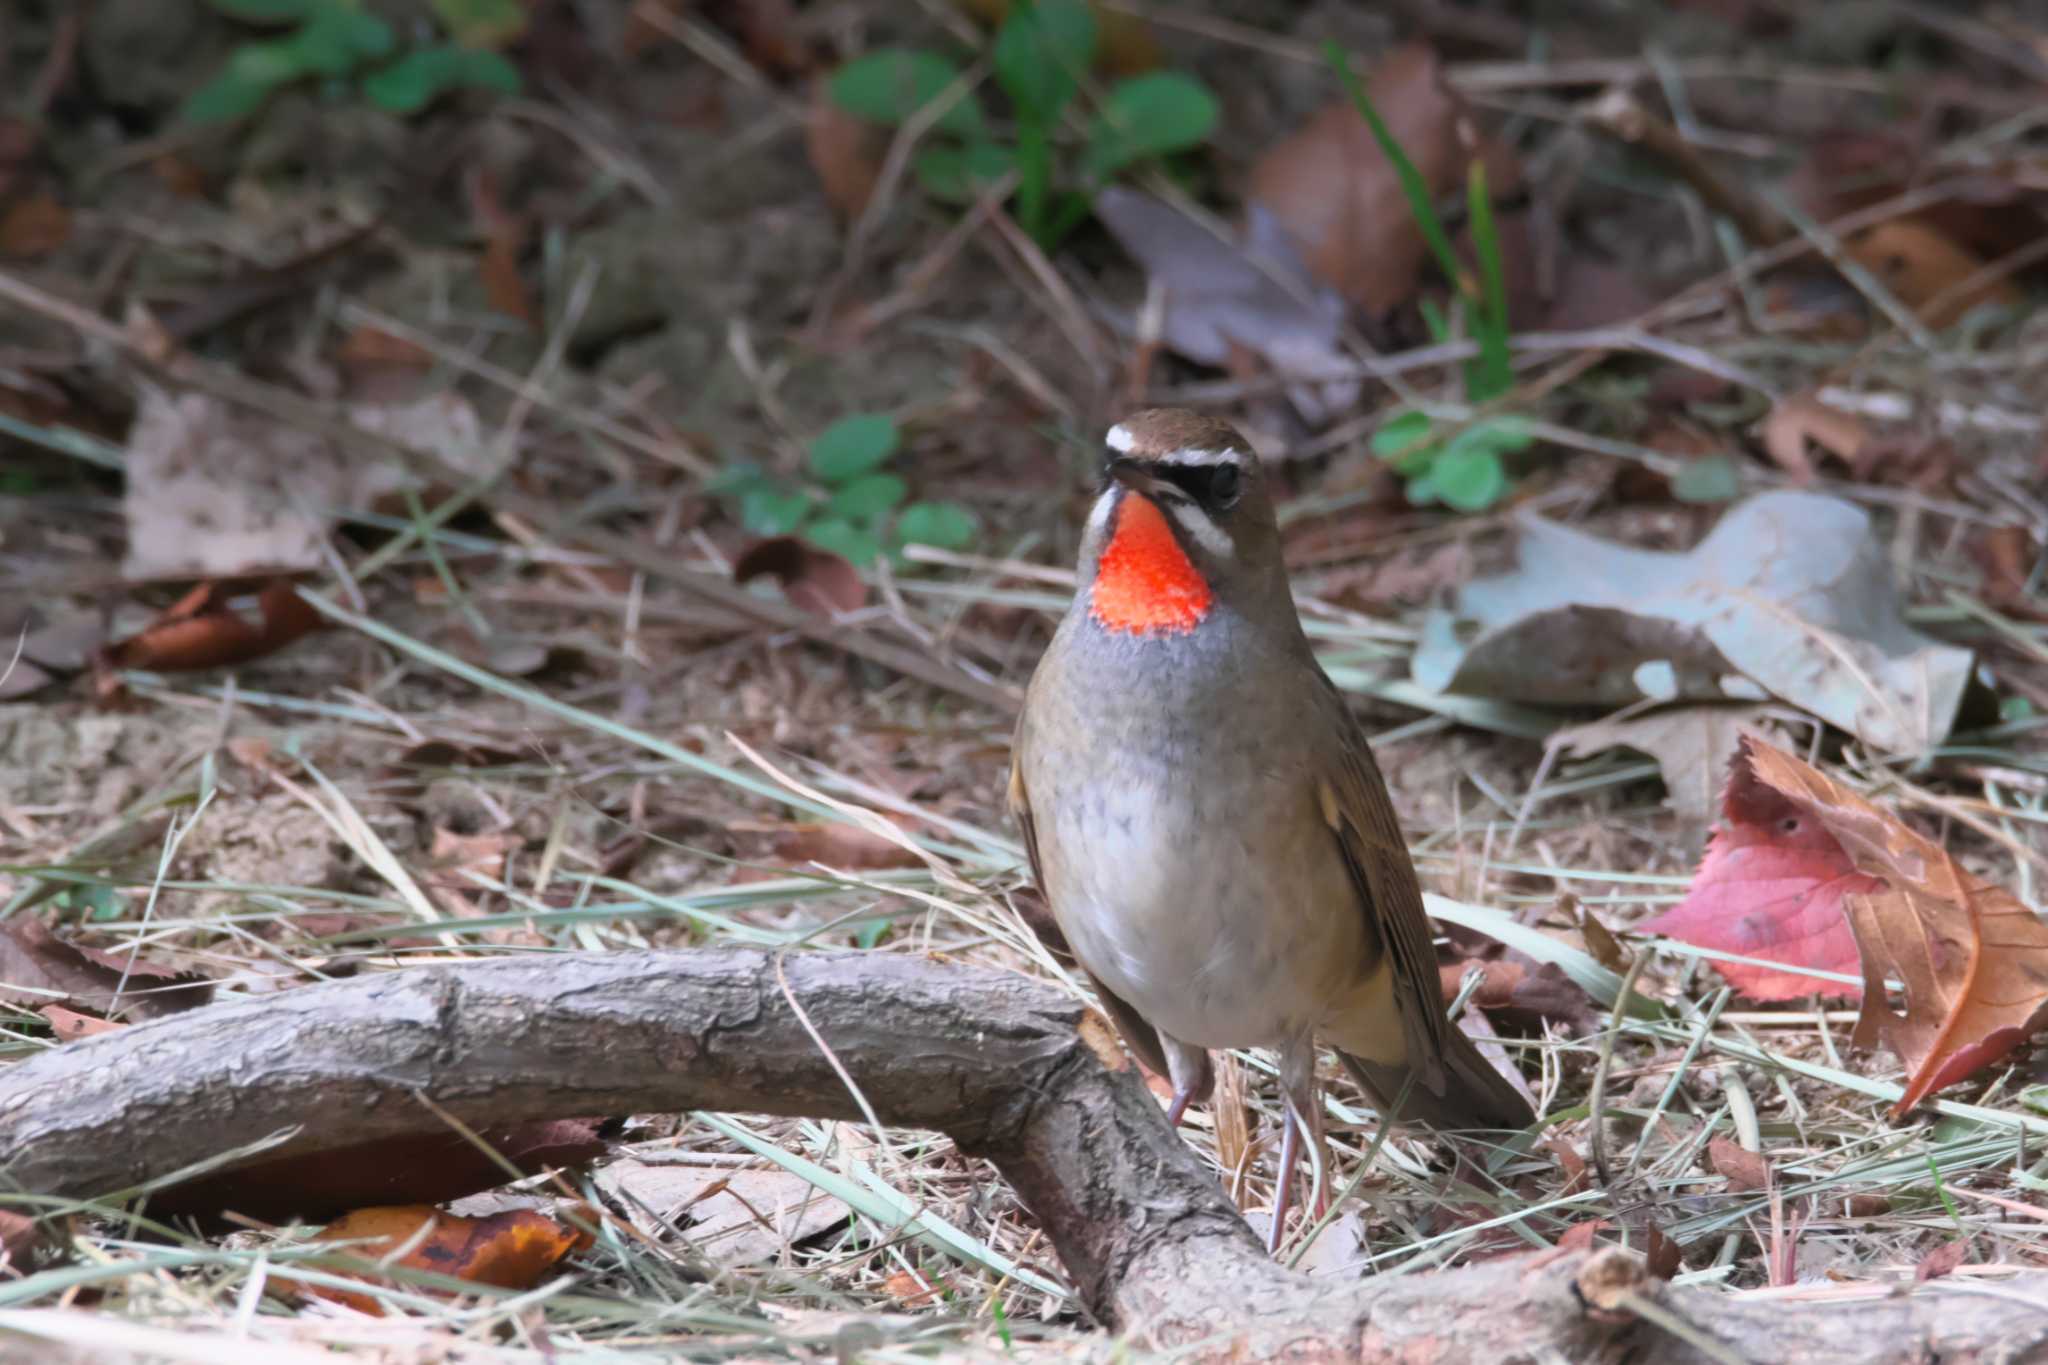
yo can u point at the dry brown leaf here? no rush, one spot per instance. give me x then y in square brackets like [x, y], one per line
[1943, 1260]
[845, 152]
[1576, 1172]
[816, 580]
[37, 968]
[1974, 960]
[912, 1291]
[1692, 745]
[1742, 1168]
[460, 858]
[846, 847]
[35, 226]
[203, 631]
[1925, 269]
[69, 1025]
[1800, 418]
[2007, 555]
[371, 348]
[508, 1250]
[28, 1244]
[411, 1168]
[1580, 1236]
[1337, 195]
[503, 285]
[1661, 1254]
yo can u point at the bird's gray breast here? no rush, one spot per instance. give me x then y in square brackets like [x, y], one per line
[1184, 854]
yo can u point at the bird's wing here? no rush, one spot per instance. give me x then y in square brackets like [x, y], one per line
[1141, 1037]
[1354, 800]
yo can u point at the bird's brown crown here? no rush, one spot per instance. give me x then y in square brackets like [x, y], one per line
[1177, 436]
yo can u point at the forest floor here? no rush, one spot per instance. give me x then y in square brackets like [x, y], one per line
[621, 306]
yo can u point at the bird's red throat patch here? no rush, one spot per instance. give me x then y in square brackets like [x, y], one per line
[1145, 584]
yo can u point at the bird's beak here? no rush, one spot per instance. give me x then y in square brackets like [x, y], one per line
[1134, 476]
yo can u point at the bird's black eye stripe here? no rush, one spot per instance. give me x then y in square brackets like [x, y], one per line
[1211, 485]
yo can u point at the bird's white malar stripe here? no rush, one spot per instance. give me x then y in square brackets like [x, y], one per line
[1119, 439]
[1098, 516]
[1196, 523]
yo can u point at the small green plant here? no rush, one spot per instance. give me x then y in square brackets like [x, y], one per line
[1039, 55]
[851, 505]
[1467, 471]
[341, 42]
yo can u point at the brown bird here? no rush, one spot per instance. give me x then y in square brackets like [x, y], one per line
[1206, 820]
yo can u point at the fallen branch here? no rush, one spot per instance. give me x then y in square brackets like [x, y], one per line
[1011, 1070]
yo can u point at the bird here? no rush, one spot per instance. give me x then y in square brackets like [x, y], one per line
[1206, 821]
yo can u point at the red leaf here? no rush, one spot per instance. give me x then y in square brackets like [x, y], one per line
[1771, 886]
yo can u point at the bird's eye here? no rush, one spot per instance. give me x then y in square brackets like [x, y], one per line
[1223, 485]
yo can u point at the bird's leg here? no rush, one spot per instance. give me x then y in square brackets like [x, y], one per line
[1303, 1120]
[1192, 1075]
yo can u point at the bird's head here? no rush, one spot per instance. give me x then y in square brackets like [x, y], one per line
[1184, 521]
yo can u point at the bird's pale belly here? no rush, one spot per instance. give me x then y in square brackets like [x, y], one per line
[1223, 928]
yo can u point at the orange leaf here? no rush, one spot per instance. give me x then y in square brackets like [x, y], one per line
[512, 1250]
[1925, 269]
[202, 632]
[1974, 960]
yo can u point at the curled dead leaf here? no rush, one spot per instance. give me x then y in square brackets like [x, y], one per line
[1927, 270]
[816, 580]
[513, 1250]
[202, 630]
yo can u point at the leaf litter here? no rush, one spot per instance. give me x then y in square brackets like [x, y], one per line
[1806, 862]
[1611, 848]
[1789, 597]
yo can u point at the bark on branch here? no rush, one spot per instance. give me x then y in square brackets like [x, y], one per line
[1011, 1070]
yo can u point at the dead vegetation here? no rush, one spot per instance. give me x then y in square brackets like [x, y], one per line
[368, 595]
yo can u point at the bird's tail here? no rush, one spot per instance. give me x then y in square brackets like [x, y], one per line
[1475, 1095]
